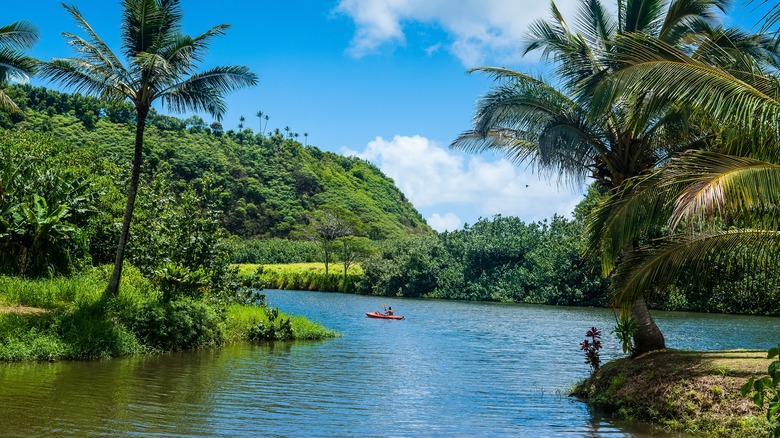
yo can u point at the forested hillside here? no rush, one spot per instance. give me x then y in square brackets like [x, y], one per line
[270, 182]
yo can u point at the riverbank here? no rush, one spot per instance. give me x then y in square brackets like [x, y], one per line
[67, 318]
[681, 391]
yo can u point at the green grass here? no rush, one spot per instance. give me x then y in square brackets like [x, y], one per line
[302, 276]
[67, 318]
[681, 391]
[240, 317]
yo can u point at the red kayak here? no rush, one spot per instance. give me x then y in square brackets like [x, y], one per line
[382, 315]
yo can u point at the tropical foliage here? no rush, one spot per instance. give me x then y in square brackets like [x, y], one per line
[503, 259]
[585, 128]
[718, 205]
[14, 65]
[161, 64]
[269, 186]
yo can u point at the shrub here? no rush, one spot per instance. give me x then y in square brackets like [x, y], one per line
[178, 324]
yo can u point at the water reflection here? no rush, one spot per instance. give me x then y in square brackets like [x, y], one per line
[448, 369]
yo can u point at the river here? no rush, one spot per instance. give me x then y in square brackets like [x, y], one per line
[448, 369]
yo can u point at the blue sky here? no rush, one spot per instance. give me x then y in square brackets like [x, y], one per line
[381, 79]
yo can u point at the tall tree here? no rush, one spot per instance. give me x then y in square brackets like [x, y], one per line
[563, 133]
[259, 116]
[161, 64]
[14, 65]
[329, 224]
[736, 184]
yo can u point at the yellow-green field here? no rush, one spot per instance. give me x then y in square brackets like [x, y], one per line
[302, 276]
[333, 268]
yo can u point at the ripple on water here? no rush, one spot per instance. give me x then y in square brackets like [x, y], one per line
[449, 369]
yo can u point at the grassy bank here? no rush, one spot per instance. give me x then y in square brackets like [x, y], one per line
[681, 391]
[302, 276]
[66, 318]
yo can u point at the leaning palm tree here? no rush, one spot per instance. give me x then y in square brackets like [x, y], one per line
[14, 65]
[738, 183]
[559, 130]
[161, 65]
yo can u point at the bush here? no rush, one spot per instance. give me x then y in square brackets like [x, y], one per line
[179, 324]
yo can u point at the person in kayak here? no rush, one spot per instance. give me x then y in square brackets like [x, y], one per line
[389, 311]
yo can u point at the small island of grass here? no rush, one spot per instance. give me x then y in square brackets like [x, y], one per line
[677, 391]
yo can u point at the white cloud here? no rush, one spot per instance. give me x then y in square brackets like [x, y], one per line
[436, 178]
[448, 222]
[480, 30]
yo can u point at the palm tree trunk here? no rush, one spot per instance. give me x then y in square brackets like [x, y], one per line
[112, 289]
[647, 336]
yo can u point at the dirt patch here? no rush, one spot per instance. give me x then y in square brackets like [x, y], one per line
[681, 391]
[22, 310]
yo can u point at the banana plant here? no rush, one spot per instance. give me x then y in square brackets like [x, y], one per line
[37, 223]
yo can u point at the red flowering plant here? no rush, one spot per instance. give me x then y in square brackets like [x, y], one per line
[591, 348]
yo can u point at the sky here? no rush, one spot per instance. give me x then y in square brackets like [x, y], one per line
[384, 80]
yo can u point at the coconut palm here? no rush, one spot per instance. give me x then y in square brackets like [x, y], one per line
[14, 65]
[562, 132]
[737, 183]
[160, 65]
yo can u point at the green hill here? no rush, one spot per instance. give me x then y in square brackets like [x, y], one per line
[270, 183]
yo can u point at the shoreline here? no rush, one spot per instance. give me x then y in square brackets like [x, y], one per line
[675, 391]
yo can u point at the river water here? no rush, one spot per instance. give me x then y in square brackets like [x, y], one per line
[448, 369]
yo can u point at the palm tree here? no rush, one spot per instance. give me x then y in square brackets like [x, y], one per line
[161, 64]
[738, 183]
[241, 121]
[306, 138]
[575, 133]
[14, 65]
[266, 124]
[259, 116]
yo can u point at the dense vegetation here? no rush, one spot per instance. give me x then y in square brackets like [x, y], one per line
[66, 318]
[270, 185]
[61, 201]
[503, 259]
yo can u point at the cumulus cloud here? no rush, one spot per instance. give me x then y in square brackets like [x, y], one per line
[480, 30]
[439, 180]
[448, 222]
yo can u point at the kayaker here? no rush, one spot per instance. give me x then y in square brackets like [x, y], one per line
[389, 311]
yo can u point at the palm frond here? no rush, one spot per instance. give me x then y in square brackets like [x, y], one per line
[19, 35]
[728, 186]
[643, 16]
[654, 67]
[663, 261]
[7, 104]
[85, 78]
[204, 91]
[596, 24]
[15, 66]
[95, 48]
[687, 16]
[147, 25]
[632, 213]
[525, 111]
